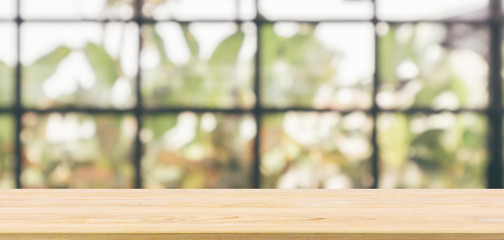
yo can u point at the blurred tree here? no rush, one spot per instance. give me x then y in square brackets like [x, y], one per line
[432, 151]
[190, 151]
[217, 82]
[421, 65]
[84, 75]
[78, 151]
[424, 65]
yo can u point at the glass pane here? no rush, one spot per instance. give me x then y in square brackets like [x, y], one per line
[316, 9]
[246, 9]
[7, 159]
[502, 9]
[7, 62]
[77, 9]
[316, 150]
[198, 65]
[199, 9]
[433, 65]
[198, 151]
[79, 64]
[321, 66]
[443, 150]
[7, 9]
[77, 150]
[432, 9]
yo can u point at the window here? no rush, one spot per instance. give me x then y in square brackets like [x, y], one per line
[251, 93]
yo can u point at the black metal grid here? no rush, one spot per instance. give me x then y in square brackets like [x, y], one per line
[494, 111]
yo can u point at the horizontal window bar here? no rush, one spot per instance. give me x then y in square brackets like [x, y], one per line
[143, 20]
[232, 110]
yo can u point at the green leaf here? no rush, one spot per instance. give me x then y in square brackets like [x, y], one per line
[35, 74]
[6, 84]
[191, 41]
[160, 124]
[227, 51]
[158, 41]
[460, 89]
[103, 65]
[395, 141]
[429, 153]
[269, 44]
[301, 46]
[387, 54]
[45, 66]
[6, 135]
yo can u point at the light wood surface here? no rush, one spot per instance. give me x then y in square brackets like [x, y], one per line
[252, 214]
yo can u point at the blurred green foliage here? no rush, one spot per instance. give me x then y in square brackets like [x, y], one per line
[6, 152]
[316, 150]
[433, 65]
[217, 82]
[6, 84]
[421, 65]
[103, 65]
[95, 89]
[293, 68]
[316, 65]
[35, 75]
[432, 151]
[197, 151]
[78, 150]
[45, 67]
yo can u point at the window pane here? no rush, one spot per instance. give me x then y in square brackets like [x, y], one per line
[77, 9]
[433, 65]
[443, 150]
[316, 9]
[7, 62]
[77, 150]
[199, 9]
[198, 151]
[321, 66]
[7, 159]
[7, 9]
[432, 9]
[316, 150]
[198, 65]
[247, 9]
[84, 64]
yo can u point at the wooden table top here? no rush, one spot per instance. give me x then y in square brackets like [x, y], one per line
[251, 214]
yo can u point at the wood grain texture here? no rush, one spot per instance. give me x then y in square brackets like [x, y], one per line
[252, 214]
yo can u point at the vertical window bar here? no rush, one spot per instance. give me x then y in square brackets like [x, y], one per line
[258, 110]
[494, 171]
[138, 108]
[374, 111]
[18, 110]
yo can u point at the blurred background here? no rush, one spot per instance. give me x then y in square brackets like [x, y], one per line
[251, 94]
